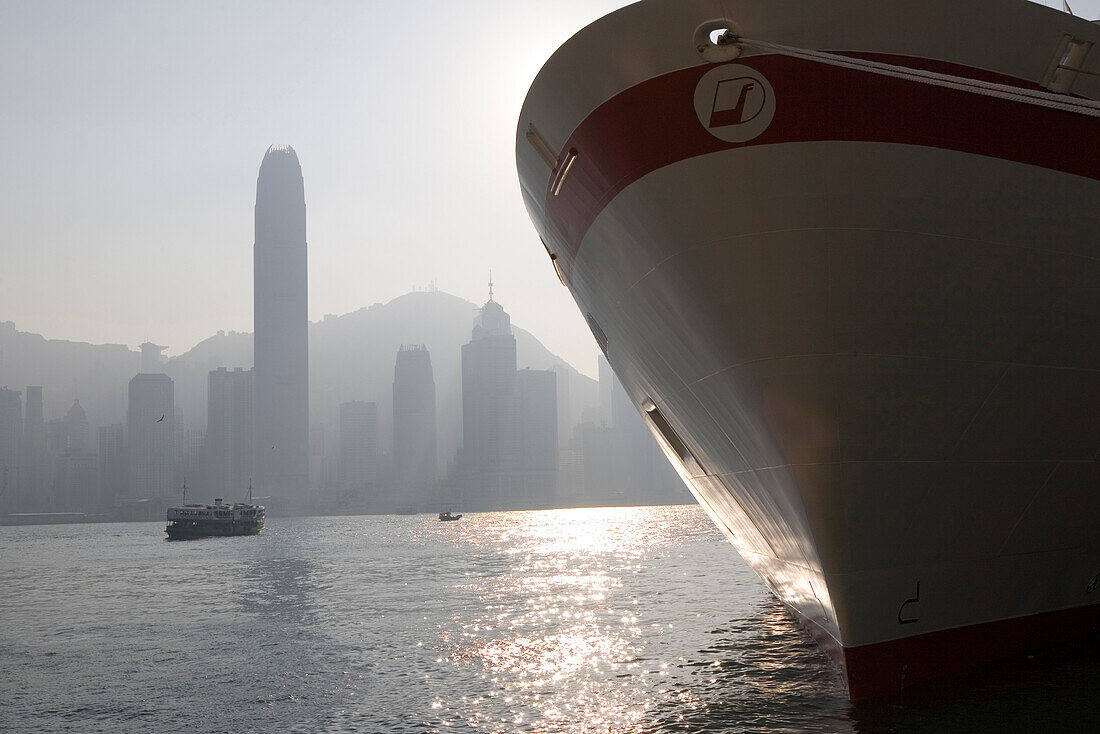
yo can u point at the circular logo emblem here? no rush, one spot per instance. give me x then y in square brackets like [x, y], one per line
[734, 103]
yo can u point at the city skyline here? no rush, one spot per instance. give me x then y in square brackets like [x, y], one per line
[116, 96]
[94, 468]
[192, 108]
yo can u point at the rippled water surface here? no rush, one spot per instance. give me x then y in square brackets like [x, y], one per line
[607, 620]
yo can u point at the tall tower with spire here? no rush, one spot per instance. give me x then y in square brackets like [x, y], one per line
[281, 377]
[488, 390]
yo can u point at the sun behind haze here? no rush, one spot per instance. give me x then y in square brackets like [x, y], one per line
[133, 131]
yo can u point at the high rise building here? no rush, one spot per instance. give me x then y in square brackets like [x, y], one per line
[150, 417]
[488, 392]
[281, 404]
[229, 429]
[55, 438]
[78, 482]
[112, 463]
[36, 466]
[358, 443]
[565, 403]
[191, 463]
[316, 454]
[151, 360]
[77, 431]
[509, 455]
[414, 430]
[536, 420]
[77, 473]
[11, 439]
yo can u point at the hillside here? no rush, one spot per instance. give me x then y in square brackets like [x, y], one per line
[351, 358]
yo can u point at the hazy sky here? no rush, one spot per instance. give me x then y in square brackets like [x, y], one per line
[131, 134]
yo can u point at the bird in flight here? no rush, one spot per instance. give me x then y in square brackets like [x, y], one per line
[158, 420]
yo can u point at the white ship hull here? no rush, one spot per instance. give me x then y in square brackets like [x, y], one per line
[862, 310]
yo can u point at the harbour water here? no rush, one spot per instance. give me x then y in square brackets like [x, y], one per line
[604, 620]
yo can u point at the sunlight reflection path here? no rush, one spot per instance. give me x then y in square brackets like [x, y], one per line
[557, 636]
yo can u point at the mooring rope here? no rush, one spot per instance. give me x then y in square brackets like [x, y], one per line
[1050, 100]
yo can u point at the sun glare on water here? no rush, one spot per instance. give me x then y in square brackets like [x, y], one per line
[557, 637]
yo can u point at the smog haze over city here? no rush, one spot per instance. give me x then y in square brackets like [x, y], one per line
[135, 131]
[141, 218]
[268, 285]
[132, 133]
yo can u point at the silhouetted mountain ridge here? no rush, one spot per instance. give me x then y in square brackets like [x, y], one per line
[351, 358]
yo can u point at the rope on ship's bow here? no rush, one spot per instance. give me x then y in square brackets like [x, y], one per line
[1050, 100]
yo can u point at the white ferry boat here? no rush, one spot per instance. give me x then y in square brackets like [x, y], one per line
[200, 521]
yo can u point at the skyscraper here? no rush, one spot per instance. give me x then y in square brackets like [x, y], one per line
[11, 439]
[358, 443]
[537, 420]
[151, 360]
[229, 431]
[565, 404]
[281, 379]
[112, 463]
[77, 431]
[35, 460]
[150, 416]
[77, 482]
[488, 391]
[413, 416]
[316, 454]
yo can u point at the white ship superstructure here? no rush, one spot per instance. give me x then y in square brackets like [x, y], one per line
[846, 257]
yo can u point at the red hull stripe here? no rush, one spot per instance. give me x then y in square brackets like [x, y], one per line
[654, 124]
[885, 667]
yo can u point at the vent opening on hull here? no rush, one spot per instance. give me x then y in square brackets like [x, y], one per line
[555, 263]
[671, 440]
[541, 147]
[601, 338]
[558, 270]
[570, 159]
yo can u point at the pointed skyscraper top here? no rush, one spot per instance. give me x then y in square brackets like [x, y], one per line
[492, 321]
[490, 286]
[280, 160]
[280, 149]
